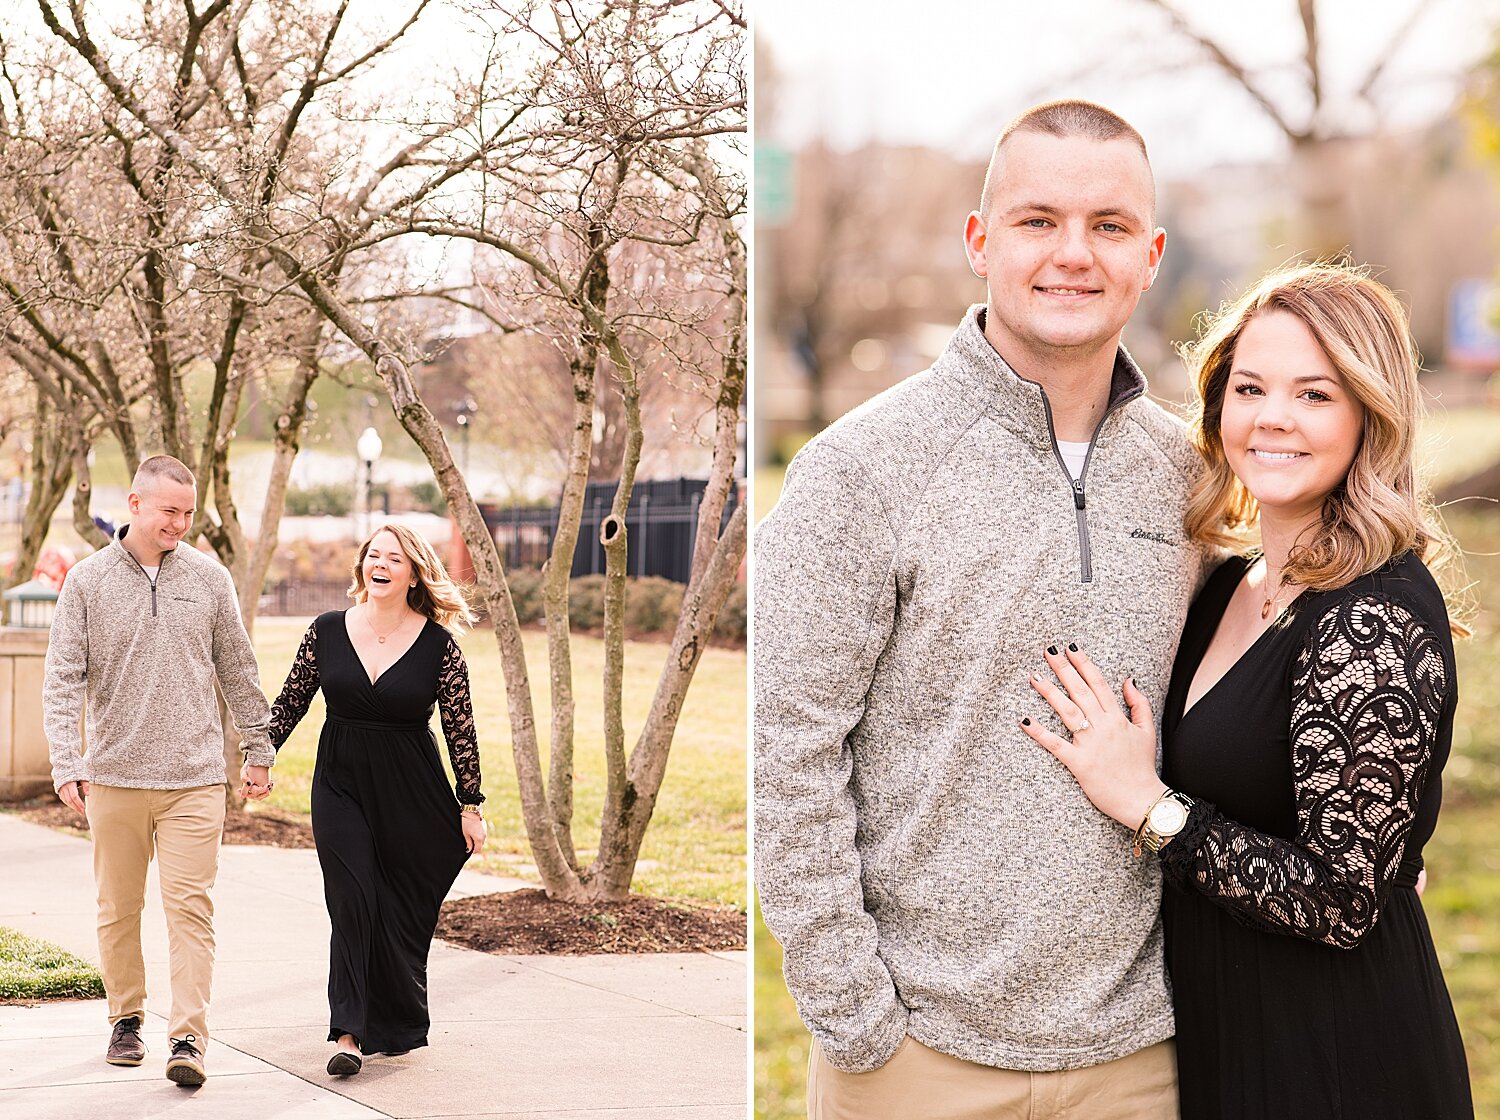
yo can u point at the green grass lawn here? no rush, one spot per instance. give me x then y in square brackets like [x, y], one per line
[31, 969]
[1463, 860]
[695, 847]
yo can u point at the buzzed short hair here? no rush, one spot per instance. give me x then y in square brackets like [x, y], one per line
[162, 466]
[1062, 118]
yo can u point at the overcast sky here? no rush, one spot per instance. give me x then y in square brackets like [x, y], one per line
[950, 73]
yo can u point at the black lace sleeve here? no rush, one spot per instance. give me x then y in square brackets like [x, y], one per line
[297, 693]
[456, 710]
[1367, 693]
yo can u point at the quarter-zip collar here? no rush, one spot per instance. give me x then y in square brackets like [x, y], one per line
[1021, 404]
[119, 542]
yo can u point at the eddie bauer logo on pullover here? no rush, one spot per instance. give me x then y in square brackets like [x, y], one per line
[1146, 535]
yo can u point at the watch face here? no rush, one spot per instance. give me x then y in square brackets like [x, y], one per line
[1168, 817]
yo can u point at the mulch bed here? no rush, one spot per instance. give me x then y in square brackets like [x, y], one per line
[527, 921]
[524, 922]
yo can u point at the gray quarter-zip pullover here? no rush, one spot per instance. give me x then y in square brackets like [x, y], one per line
[927, 868]
[144, 654]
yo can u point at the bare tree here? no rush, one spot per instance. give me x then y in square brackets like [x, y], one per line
[595, 151]
[101, 293]
[1316, 114]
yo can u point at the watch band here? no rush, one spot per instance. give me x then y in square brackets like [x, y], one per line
[1148, 837]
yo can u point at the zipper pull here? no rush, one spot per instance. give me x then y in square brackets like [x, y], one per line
[1078, 493]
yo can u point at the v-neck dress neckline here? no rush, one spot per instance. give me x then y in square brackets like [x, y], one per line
[365, 669]
[1279, 625]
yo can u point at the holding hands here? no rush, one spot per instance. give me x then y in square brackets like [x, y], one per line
[1112, 755]
[255, 782]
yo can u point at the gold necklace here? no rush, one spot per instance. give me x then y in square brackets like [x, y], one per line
[1282, 584]
[370, 622]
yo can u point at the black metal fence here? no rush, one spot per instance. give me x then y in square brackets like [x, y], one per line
[304, 598]
[662, 523]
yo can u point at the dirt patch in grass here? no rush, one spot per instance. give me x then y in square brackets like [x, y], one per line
[527, 921]
[269, 827]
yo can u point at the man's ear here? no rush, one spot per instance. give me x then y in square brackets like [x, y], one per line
[975, 239]
[1153, 259]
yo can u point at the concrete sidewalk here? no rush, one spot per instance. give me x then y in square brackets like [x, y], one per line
[513, 1038]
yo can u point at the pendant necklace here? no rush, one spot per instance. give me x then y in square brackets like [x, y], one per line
[1281, 585]
[379, 637]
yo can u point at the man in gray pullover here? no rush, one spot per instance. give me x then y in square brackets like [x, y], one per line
[142, 630]
[965, 935]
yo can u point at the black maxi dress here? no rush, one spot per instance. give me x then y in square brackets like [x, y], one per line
[1303, 972]
[384, 818]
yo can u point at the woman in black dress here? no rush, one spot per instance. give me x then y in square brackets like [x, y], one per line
[391, 837]
[1305, 729]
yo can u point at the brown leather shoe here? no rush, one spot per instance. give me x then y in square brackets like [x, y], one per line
[185, 1066]
[125, 1045]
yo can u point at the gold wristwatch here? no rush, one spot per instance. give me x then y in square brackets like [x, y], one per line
[1165, 819]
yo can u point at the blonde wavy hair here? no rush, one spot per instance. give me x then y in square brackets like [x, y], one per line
[1381, 510]
[435, 595]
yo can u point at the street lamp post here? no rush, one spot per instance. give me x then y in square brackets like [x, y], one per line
[368, 448]
[466, 409]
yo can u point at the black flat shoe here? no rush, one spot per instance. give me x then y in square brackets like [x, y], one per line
[345, 1064]
[394, 1053]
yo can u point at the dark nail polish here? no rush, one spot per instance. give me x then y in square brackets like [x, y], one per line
[1052, 650]
[1026, 722]
[1073, 646]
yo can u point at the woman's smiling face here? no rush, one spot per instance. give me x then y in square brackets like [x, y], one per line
[1290, 425]
[388, 572]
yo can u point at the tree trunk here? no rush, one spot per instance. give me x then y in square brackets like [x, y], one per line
[556, 578]
[621, 835]
[726, 425]
[716, 563]
[288, 441]
[618, 796]
[83, 489]
[52, 451]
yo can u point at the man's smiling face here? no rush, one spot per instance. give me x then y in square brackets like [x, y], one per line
[160, 514]
[1067, 247]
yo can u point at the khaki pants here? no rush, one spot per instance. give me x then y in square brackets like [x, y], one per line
[919, 1083]
[183, 827]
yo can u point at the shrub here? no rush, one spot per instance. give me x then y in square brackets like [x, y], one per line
[526, 592]
[311, 560]
[428, 495]
[586, 603]
[311, 501]
[652, 604]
